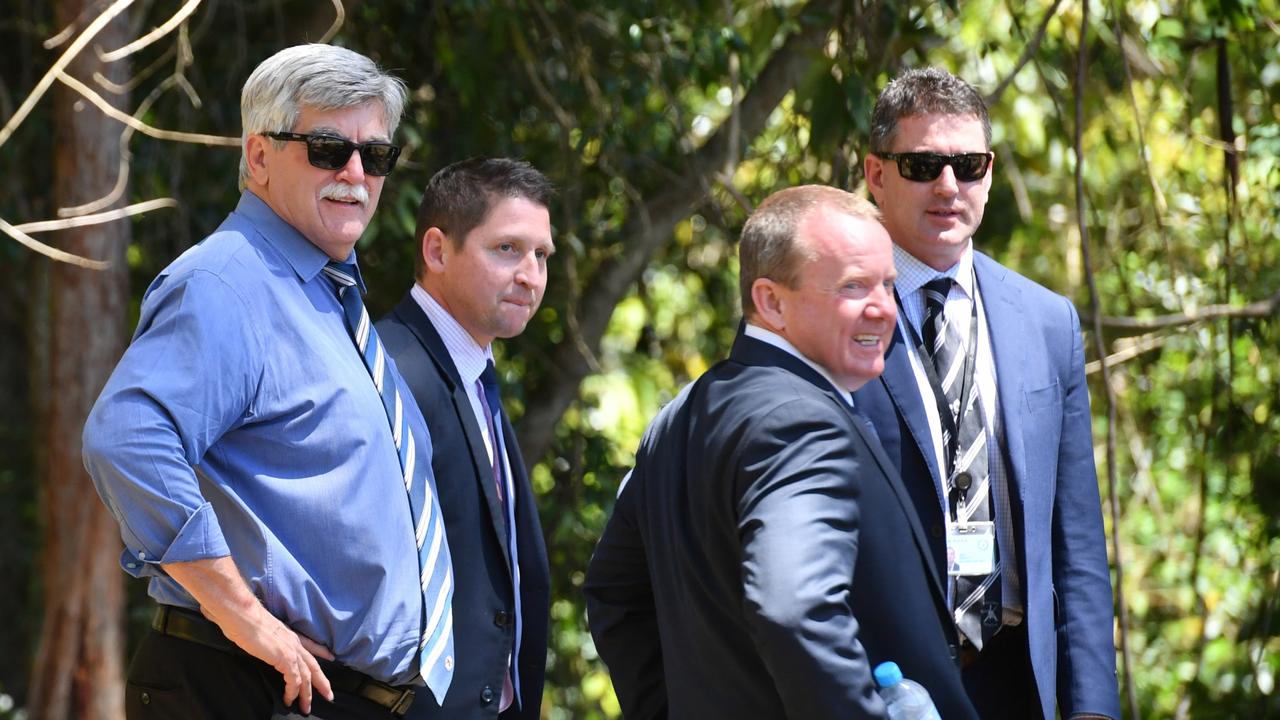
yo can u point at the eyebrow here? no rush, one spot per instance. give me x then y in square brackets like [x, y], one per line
[327, 130]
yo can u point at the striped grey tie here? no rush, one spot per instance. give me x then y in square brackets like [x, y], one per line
[435, 649]
[977, 597]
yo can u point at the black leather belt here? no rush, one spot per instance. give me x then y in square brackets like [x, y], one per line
[193, 627]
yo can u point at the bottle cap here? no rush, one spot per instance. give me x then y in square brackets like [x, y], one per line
[887, 674]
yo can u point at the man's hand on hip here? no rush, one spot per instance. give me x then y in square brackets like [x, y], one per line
[226, 600]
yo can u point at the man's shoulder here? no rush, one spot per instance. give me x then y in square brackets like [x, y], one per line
[751, 392]
[1029, 291]
[233, 251]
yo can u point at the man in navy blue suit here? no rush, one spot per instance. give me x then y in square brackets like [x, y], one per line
[484, 238]
[984, 409]
[763, 556]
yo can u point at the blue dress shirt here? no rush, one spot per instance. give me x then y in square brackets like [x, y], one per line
[241, 421]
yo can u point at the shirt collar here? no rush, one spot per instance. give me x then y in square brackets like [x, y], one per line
[466, 353]
[776, 340]
[913, 273]
[303, 256]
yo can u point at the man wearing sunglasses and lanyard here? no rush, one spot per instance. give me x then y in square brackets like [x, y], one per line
[983, 407]
[268, 467]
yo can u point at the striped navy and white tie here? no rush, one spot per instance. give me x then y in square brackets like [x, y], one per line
[977, 597]
[435, 648]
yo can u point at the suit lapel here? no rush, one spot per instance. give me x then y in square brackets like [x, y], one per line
[417, 321]
[891, 476]
[1002, 305]
[900, 381]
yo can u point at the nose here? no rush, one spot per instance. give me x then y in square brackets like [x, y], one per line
[946, 185]
[528, 270]
[882, 305]
[353, 171]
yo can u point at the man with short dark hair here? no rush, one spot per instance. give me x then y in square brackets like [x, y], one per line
[763, 557]
[984, 409]
[258, 448]
[483, 242]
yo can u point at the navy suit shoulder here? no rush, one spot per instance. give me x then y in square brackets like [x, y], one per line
[483, 604]
[761, 559]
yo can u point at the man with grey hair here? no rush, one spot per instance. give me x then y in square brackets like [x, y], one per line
[984, 409]
[763, 556]
[269, 470]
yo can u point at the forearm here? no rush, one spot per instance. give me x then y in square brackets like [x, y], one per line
[223, 595]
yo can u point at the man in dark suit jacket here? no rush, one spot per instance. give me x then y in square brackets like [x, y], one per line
[1041, 624]
[485, 235]
[762, 556]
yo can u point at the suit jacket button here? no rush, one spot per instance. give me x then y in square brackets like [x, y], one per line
[486, 695]
[937, 531]
[501, 618]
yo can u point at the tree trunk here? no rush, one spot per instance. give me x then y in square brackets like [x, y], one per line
[79, 670]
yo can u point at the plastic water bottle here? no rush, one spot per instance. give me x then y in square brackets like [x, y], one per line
[905, 699]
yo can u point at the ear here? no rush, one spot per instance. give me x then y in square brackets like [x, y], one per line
[769, 297]
[434, 250]
[873, 170]
[255, 155]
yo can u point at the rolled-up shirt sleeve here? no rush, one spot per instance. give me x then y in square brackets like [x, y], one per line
[187, 378]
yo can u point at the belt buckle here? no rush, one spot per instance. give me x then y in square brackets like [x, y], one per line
[403, 702]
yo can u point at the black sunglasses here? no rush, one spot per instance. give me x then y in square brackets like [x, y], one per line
[927, 166]
[329, 152]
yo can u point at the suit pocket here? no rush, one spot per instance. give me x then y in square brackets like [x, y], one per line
[1042, 399]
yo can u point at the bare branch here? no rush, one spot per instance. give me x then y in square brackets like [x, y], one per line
[117, 192]
[136, 124]
[1027, 54]
[1095, 302]
[96, 218]
[1268, 307]
[183, 13]
[51, 252]
[1134, 348]
[60, 65]
[340, 16]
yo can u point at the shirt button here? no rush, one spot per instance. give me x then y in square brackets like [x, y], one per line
[486, 695]
[501, 618]
[142, 555]
[146, 698]
[937, 531]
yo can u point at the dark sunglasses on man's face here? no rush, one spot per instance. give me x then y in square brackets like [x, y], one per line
[329, 152]
[927, 166]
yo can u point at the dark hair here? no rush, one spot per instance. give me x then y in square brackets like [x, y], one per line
[923, 91]
[768, 248]
[460, 196]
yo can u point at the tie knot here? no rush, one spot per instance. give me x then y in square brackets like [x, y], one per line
[936, 290]
[342, 274]
[489, 378]
[489, 384]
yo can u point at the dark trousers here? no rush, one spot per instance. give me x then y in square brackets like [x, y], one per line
[175, 679]
[1000, 682]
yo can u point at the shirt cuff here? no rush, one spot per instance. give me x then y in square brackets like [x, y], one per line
[200, 538]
